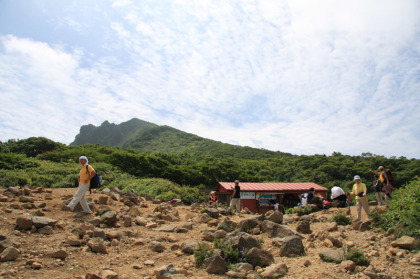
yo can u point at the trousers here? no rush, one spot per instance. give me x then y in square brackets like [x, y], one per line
[235, 203]
[80, 197]
[362, 202]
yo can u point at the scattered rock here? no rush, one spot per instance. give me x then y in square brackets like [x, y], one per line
[9, 254]
[292, 246]
[336, 256]
[275, 271]
[215, 265]
[258, 257]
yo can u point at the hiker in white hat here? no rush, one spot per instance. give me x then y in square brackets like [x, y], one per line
[85, 175]
[360, 190]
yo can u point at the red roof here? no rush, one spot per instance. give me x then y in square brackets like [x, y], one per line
[271, 187]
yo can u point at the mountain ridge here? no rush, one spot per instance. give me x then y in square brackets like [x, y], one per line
[153, 138]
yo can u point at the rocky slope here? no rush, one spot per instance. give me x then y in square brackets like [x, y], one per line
[135, 238]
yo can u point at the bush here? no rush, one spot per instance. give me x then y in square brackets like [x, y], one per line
[357, 257]
[304, 210]
[203, 252]
[341, 219]
[403, 213]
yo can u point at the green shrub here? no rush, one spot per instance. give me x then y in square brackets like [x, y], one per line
[403, 213]
[357, 257]
[341, 219]
[304, 210]
[203, 252]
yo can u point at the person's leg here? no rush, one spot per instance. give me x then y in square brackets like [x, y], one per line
[359, 210]
[232, 204]
[365, 205]
[80, 194]
[85, 205]
[238, 205]
[380, 199]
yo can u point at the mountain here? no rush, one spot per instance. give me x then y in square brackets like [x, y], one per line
[152, 138]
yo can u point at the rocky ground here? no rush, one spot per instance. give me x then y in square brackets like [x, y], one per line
[135, 238]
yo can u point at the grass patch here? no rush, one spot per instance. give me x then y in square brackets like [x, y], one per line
[341, 219]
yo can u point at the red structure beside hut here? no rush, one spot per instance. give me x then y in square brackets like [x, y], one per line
[261, 197]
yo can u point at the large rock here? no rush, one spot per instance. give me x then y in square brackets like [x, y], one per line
[110, 218]
[9, 254]
[292, 246]
[165, 271]
[227, 225]
[5, 243]
[24, 221]
[97, 245]
[336, 256]
[157, 246]
[303, 227]
[213, 212]
[405, 242]
[276, 230]
[166, 228]
[40, 222]
[215, 265]
[276, 217]
[189, 247]
[242, 240]
[275, 271]
[258, 257]
[247, 225]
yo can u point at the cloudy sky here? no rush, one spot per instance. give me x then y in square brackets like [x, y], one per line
[298, 76]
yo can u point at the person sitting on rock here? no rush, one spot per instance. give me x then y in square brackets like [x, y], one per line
[338, 194]
[213, 200]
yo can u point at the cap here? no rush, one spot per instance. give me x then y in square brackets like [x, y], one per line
[356, 177]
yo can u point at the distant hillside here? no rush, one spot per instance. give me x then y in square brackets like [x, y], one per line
[152, 138]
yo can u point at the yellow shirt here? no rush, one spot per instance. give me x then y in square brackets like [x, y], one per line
[83, 175]
[362, 188]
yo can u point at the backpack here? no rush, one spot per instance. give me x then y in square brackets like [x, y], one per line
[389, 174]
[94, 182]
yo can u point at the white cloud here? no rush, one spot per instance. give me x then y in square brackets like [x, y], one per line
[295, 76]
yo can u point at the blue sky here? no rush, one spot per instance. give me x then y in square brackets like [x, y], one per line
[298, 76]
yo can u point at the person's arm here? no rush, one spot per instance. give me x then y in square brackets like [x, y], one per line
[375, 172]
[365, 192]
[234, 192]
[90, 177]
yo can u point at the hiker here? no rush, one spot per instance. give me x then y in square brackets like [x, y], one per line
[213, 200]
[383, 177]
[85, 175]
[236, 197]
[377, 190]
[338, 195]
[310, 194]
[360, 190]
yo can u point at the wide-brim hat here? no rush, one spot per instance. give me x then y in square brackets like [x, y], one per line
[356, 177]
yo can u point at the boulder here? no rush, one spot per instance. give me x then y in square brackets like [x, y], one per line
[5, 243]
[303, 227]
[276, 217]
[157, 246]
[258, 257]
[292, 246]
[9, 254]
[189, 247]
[60, 254]
[275, 271]
[215, 265]
[336, 256]
[24, 221]
[109, 218]
[166, 228]
[213, 212]
[97, 245]
[242, 241]
[405, 242]
[247, 225]
[165, 271]
[276, 230]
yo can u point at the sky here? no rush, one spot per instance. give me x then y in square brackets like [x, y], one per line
[298, 76]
